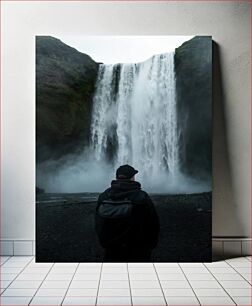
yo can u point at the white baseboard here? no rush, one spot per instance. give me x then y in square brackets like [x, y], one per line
[222, 247]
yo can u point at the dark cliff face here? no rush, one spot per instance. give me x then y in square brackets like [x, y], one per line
[65, 82]
[193, 68]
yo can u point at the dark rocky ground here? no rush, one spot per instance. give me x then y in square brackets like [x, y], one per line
[65, 228]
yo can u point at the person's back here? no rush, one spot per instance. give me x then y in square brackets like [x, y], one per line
[134, 239]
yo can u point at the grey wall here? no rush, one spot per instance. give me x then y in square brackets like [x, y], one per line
[229, 25]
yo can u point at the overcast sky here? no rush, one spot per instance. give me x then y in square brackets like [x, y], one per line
[123, 49]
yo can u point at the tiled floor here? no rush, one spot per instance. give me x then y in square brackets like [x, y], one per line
[24, 282]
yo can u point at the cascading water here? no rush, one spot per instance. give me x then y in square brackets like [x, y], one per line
[134, 117]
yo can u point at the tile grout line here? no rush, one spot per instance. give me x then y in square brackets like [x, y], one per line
[160, 283]
[41, 283]
[15, 277]
[220, 284]
[189, 284]
[239, 272]
[131, 298]
[98, 288]
[70, 284]
[9, 257]
[246, 258]
[0, 275]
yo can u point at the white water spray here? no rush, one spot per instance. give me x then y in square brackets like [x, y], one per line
[142, 115]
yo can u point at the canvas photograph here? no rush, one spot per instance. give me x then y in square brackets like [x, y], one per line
[123, 148]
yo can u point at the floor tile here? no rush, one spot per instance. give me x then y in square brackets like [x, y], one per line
[148, 300]
[19, 292]
[221, 300]
[15, 300]
[191, 264]
[138, 276]
[114, 284]
[103, 300]
[115, 270]
[195, 270]
[85, 284]
[243, 300]
[30, 276]
[241, 264]
[235, 284]
[147, 270]
[55, 284]
[88, 270]
[175, 284]
[8, 276]
[166, 264]
[204, 284]
[168, 270]
[114, 292]
[239, 291]
[24, 284]
[229, 276]
[114, 265]
[80, 300]
[5, 283]
[248, 277]
[82, 292]
[40, 265]
[217, 264]
[47, 300]
[14, 264]
[29, 270]
[243, 270]
[180, 300]
[118, 276]
[57, 276]
[92, 264]
[200, 276]
[21, 258]
[237, 259]
[220, 270]
[172, 276]
[51, 292]
[4, 259]
[178, 292]
[62, 270]
[144, 284]
[11, 270]
[83, 276]
[209, 292]
[66, 265]
[140, 264]
[146, 292]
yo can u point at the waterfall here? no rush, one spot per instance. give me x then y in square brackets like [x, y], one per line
[134, 116]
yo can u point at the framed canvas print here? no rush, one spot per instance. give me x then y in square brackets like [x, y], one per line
[123, 148]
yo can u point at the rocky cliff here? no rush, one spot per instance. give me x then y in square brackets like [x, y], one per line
[193, 68]
[65, 80]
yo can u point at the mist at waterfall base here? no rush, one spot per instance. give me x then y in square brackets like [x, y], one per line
[87, 175]
[134, 121]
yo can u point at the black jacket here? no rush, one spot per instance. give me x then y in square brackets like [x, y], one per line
[145, 229]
